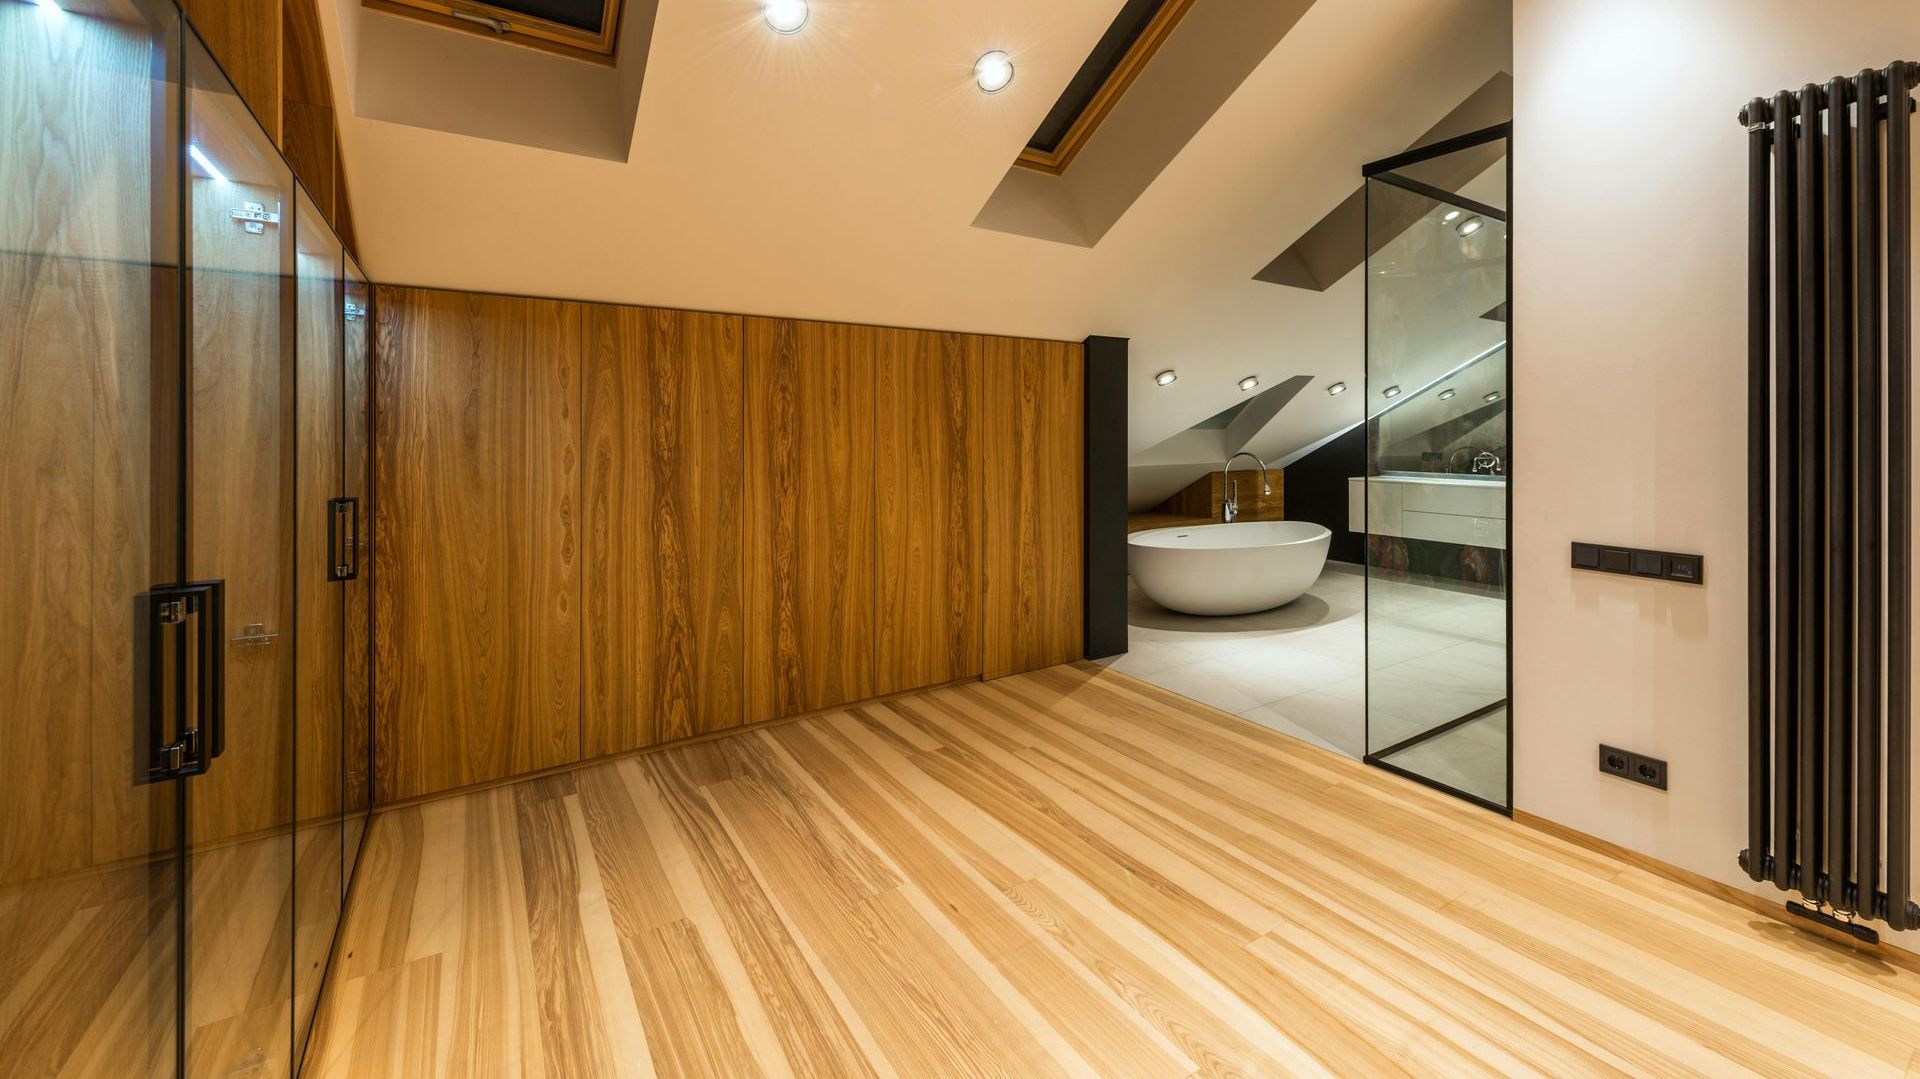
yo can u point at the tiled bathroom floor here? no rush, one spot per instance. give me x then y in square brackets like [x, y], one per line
[1436, 654]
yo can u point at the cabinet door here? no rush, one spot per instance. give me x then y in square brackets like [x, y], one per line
[90, 853]
[1031, 451]
[357, 661]
[321, 567]
[810, 542]
[240, 530]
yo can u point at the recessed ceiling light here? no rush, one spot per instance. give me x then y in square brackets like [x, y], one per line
[993, 71]
[1491, 397]
[1390, 392]
[1336, 389]
[785, 16]
[206, 164]
[1447, 395]
[1452, 216]
[1249, 382]
[1470, 226]
[1164, 378]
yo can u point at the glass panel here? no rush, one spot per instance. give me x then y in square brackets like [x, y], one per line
[319, 776]
[357, 313]
[89, 518]
[1438, 447]
[240, 529]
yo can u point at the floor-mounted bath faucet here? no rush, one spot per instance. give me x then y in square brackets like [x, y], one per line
[1230, 497]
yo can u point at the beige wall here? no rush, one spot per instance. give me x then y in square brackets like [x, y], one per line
[1629, 373]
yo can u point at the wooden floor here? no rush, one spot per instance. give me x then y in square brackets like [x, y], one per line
[1067, 872]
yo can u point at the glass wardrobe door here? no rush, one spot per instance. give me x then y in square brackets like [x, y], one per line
[1438, 448]
[318, 772]
[90, 871]
[240, 530]
[358, 661]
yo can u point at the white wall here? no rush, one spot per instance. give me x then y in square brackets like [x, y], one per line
[1629, 391]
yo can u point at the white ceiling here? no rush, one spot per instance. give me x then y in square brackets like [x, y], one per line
[834, 174]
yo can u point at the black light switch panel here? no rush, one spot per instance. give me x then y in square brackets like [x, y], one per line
[1685, 568]
[1640, 562]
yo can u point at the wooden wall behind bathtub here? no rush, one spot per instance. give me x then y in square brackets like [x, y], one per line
[604, 528]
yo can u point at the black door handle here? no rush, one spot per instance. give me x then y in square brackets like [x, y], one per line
[179, 680]
[343, 539]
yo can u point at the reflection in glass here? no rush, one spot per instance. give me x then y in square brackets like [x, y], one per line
[319, 774]
[1438, 449]
[89, 490]
[356, 314]
[240, 528]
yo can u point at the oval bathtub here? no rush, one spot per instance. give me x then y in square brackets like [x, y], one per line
[1228, 569]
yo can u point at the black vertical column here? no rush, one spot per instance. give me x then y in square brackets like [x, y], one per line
[1900, 911]
[1104, 527]
[1759, 476]
[1786, 337]
[1866, 536]
[1811, 571]
[1840, 470]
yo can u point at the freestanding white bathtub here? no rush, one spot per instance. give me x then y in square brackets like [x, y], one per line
[1228, 569]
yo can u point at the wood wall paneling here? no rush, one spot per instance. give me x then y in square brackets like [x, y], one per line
[927, 503]
[663, 572]
[245, 36]
[810, 535]
[1204, 497]
[77, 401]
[476, 538]
[1031, 470]
[773, 517]
[242, 510]
[320, 610]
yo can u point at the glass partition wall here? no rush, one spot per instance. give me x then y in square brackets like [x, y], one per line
[182, 347]
[1438, 458]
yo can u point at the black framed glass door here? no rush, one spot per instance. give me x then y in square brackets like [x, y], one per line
[1438, 398]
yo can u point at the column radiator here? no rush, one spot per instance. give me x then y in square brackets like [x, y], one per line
[1829, 343]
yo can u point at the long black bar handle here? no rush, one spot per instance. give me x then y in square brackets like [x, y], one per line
[213, 669]
[1759, 479]
[1840, 500]
[1868, 638]
[1900, 910]
[1786, 479]
[343, 539]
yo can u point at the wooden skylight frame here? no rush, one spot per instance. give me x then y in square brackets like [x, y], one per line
[521, 29]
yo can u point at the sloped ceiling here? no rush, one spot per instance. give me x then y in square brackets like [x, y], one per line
[836, 173]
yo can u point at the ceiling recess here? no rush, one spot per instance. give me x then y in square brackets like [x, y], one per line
[1117, 59]
[582, 29]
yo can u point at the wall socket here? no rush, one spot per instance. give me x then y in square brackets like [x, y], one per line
[1637, 767]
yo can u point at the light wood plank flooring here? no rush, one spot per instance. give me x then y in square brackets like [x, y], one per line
[1065, 872]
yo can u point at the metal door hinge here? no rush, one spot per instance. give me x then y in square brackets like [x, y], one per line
[255, 217]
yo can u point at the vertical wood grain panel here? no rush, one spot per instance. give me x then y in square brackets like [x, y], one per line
[320, 611]
[77, 510]
[927, 497]
[241, 513]
[810, 483]
[476, 543]
[663, 568]
[546, 554]
[1031, 466]
[245, 36]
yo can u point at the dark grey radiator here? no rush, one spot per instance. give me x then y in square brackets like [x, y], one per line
[1829, 349]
